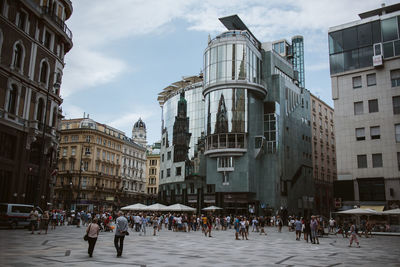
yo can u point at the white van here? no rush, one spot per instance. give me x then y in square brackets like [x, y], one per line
[15, 215]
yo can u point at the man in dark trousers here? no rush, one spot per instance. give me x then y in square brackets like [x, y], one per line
[120, 231]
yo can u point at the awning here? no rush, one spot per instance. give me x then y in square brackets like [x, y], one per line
[375, 208]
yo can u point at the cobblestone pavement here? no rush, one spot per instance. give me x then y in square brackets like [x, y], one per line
[65, 247]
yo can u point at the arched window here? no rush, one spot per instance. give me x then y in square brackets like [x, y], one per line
[39, 115]
[54, 120]
[12, 99]
[18, 56]
[44, 69]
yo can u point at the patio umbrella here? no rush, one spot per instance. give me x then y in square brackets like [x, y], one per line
[359, 211]
[156, 207]
[179, 207]
[136, 206]
[212, 208]
[392, 212]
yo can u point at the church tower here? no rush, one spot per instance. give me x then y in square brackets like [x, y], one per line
[139, 133]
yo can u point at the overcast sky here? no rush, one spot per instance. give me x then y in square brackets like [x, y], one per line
[126, 51]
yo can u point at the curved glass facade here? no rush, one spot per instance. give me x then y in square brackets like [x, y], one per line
[226, 111]
[195, 113]
[231, 61]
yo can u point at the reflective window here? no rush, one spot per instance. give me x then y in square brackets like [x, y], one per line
[388, 50]
[226, 111]
[371, 79]
[358, 108]
[389, 29]
[377, 161]
[362, 161]
[357, 82]
[350, 38]
[397, 132]
[395, 77]
[375, 132]
[373, 105]
[360, 134]
[396, 104]
[364, 34]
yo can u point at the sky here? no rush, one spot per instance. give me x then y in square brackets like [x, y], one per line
[126, 51]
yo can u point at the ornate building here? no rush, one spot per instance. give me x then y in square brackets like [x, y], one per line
[139, 133]
[324, 155]
[153, 171]
[89, 176]
[133, 172]
[33, 42]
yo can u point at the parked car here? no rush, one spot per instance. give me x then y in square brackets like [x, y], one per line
[16, 215]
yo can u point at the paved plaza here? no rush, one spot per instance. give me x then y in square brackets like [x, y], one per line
[65, 247]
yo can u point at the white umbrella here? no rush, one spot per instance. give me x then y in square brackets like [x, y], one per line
[136, 206]
[359, 211]
[212, 208]
[179, 207]
[156, 207]
[392, 212]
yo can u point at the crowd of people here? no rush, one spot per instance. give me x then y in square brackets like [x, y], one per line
[119, 223]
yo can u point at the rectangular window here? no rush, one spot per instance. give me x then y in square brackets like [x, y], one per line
[373, 105]
[66, 138]
[362, 161]
[178, 171]
[371, 189]
[395, 77]
[396, 104]
[377, 161]
[360, 134]
[398, 161]
[357, 82]
[358, 108]
[371, 79]
[168, 172]
[73, 151]
[65, 152]
[375, 132]
[162, 174]
[168, 155]
[397, 132]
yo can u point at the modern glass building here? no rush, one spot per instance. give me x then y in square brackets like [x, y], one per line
[298, 58]
[181, 171]
[240, 136]
[365, 73]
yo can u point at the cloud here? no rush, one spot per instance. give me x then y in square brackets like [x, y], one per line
[71, 111]
[86, 69]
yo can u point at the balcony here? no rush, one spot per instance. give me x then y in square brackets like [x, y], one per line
[61, 24]
[232, 144]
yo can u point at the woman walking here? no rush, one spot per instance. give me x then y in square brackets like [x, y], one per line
[92, 231]
[353, 237]
[45, 222]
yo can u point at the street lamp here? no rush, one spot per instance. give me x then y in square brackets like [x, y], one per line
[80, 175]
[56, 86]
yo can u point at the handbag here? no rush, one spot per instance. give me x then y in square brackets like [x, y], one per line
[86, 237]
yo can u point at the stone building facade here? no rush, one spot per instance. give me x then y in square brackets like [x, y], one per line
[33, 42]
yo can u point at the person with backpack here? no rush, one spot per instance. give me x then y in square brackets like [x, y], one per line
[353, 233]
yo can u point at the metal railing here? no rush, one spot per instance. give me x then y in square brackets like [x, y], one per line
[59, 22]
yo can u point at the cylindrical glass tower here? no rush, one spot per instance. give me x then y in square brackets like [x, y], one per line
[232, 72]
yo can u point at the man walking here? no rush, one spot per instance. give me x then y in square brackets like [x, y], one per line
[298, 225]
[120, 231]
[314, 228]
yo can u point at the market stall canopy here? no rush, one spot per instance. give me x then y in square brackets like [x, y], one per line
[392, 212]
[136, 206]
[212, 208]
[375, 208]
[179, 207]
[359, 211]
[156, 207]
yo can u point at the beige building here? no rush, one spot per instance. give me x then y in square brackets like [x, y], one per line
[89, 166]
[365, 75]
[34, 40]
[133, 172]
[153, 172]
[324, 154]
